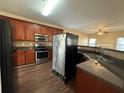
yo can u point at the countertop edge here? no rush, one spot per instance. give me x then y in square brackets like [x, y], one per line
[99, 78]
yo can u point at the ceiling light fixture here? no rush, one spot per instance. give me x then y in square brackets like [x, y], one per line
[49, 7]
[100, 32]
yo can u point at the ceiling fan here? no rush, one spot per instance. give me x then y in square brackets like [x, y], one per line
[101, 32]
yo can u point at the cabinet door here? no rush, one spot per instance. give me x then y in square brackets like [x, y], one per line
[30, 56]
[13, 31]
[50, 33]
[19, 57]
[37, 28]
[30, 31]
[1, 17]
[43, 30]
[59, 31]
[50, 54]
[87, 83]
[19, 30]
[54, 31]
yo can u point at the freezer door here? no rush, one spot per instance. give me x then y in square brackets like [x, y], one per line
[59, 48]
[5, 56]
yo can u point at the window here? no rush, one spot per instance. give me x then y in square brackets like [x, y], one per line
[120, 43]
[92, 42]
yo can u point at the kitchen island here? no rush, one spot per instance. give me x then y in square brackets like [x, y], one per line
[94, 77]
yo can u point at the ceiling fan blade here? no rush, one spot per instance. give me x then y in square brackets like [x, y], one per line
[105, 32]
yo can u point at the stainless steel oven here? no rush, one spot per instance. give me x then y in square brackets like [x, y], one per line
[41, 38]
[41, 53]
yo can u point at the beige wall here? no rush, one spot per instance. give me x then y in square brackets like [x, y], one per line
[107, 40]
[83, 38]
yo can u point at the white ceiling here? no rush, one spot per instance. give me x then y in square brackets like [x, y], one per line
[83, 15]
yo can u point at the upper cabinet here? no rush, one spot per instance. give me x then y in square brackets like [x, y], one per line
[30, 31]
[37, 29]
[19, 30]
[13, 31]
[22, 30]
[59, 31]
[43, 29]
[49, 32]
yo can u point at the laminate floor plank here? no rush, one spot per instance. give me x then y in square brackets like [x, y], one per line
[39, 79]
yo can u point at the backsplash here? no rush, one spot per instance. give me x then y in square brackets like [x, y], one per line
[29, 43]
[23, 44]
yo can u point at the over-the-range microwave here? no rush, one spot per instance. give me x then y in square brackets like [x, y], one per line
[41, 38]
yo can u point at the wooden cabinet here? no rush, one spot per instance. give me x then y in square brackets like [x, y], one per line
[25, 30]
[19, 58]
[30, 31]
[23, 57]
[40, 29]
[55, 32]
[50, 32]
[1, 17]
[43, 30]
[59, 31]
[13, 31]
[50, 54]
[30, 56]
[19, 30]
[37, 28]
[87, 83]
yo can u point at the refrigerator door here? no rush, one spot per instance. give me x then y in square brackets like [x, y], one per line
[71, 55]
[5, 57]
[59, 48]
[72, 40]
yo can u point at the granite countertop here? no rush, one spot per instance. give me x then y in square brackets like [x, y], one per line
[29, 48]
[24, 48]
[49, 47]
[115, 67]
[101, 71]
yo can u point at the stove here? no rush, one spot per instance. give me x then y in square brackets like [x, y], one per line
[41, 53]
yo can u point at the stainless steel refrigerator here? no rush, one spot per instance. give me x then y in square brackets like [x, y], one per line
[6, 72]
[64, 55]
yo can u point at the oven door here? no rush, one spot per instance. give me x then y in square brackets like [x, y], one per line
[41, 56]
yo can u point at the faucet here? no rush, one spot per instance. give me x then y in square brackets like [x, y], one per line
[100, 55]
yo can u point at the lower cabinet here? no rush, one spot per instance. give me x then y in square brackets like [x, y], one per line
[50, 54]
[23, 57]
[87, 83]
[30, 57]
[19, 58]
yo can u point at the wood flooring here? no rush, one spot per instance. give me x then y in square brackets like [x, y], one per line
[39, 79]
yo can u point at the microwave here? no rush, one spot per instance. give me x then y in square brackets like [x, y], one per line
[41, 38]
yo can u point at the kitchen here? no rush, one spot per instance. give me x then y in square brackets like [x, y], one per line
[33, 49]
